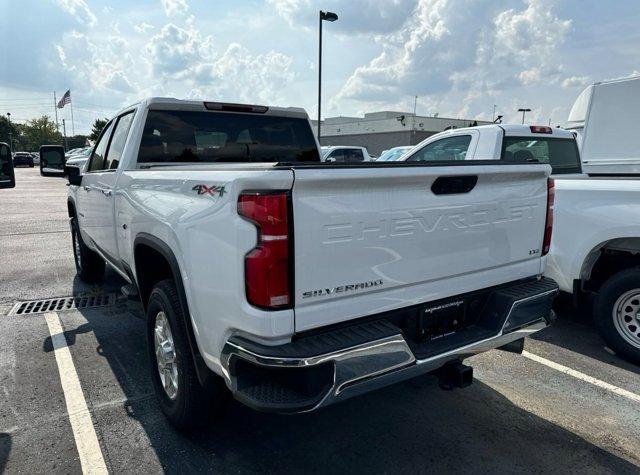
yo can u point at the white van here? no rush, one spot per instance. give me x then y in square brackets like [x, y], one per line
[605, 117]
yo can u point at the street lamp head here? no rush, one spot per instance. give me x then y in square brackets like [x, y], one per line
[328, 16]
[524, 110]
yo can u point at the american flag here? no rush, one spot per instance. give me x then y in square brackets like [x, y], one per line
[66, 99]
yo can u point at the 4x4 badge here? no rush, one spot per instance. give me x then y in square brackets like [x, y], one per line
[209, 190]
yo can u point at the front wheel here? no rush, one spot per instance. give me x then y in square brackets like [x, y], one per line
[183, 400]
[89, 265]
[617, 313]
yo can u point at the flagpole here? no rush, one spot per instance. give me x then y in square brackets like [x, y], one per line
[73, 127]
[64, 128]
[55, 109]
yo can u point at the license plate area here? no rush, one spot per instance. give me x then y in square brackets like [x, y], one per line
[437, 321]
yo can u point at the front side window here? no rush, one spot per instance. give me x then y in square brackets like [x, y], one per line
[97, 157]
[443, 150]
[209, 137]
[561, 154]
[117, 142]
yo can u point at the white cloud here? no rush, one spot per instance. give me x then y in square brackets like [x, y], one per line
[179, 54]
[97, 67]
[79, 10]
[174, 50]
[239, 75]
[176, 60]
[118, 81]
[575, 81]
[143, 27]
[354, 16]
[175, 7]
[453, 54]
[531, 37]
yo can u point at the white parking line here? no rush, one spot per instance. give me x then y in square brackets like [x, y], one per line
[84, 433]
[583, 377]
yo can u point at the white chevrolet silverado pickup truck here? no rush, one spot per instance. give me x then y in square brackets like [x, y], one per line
[595, 249]
[294, 284]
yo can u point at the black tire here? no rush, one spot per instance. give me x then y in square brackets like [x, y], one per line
[193, 405]
[89, 265]
[605, 306]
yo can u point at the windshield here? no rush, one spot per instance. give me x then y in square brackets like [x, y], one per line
[197, 137]
[393, 154]
[561, 154]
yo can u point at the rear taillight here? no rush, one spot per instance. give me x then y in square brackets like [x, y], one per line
[548, 227]
[267, 266]
[540, 129]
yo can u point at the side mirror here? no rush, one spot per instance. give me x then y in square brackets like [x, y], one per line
[73, 174]
[7, 176]
[330, 159]
[52, 160]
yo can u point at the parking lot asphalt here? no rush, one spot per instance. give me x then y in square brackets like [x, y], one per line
[520, 414]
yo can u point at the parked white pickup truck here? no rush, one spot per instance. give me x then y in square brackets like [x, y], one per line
[595, 250]
[295, 283]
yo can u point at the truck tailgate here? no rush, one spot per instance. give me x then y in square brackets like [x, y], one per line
[371, 239]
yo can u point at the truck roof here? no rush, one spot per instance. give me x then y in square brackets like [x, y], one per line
[514, 130]
[171, 103]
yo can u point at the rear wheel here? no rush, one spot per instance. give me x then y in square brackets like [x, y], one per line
[89, 265]
[184, 401]
[617, 313]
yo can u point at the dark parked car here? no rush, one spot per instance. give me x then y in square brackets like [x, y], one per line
[22, 158]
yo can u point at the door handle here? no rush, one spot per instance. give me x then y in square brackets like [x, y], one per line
[106, 192]
[451, 185]
[87, 188]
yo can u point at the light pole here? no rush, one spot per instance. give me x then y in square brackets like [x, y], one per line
[493, 118]
[327, 16]
[523, 112]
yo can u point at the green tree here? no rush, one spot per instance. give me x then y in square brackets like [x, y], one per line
[7, 128]
[98, 125]
[77, 141]
[40, 131]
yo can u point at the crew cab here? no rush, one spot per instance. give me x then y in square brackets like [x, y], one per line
[595, 249]
[293, 283]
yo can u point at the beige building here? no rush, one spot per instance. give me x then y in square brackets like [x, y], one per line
[379, 131]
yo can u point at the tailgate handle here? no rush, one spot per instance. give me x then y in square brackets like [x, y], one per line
[451, 185]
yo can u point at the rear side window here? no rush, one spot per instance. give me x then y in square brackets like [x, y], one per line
[354, 155]
[445, 150]
[205, 137]
[342, 155]
[561, 154]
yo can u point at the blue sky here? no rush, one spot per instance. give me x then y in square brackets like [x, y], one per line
[460, 57]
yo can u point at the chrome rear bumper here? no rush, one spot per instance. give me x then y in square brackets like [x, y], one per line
[274, 384]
